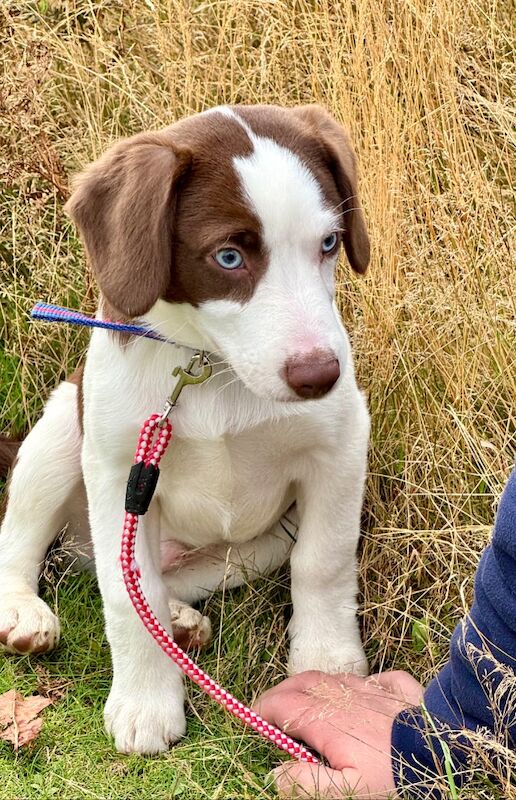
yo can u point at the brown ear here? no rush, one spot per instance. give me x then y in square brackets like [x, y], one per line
[342, 163]
[124, 207]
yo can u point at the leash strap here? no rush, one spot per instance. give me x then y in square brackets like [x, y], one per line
[51, 313]
[146, 461]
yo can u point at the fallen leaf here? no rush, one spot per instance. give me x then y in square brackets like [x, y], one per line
[19, 722]
[49, 685]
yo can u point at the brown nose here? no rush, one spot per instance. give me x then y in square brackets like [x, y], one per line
[313, 375]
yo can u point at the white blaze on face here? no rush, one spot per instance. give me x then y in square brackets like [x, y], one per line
[291, 312]
[285, 197]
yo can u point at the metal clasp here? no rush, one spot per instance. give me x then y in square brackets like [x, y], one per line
[198, 370]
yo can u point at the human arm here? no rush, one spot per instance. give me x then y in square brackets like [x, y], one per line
[381, 737]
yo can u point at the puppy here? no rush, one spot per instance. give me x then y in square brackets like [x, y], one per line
[222, 232]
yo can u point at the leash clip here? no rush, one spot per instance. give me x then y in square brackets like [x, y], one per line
[198, 370]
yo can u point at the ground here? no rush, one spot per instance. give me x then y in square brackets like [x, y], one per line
[425, 89]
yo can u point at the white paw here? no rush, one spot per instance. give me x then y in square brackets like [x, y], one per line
[326, 657]
[148, 721]
[27, 625]
[189, 626]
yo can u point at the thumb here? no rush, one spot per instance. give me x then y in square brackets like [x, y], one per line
[296, 779]
[402, 685]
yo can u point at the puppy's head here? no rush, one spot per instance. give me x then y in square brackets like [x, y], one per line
[234, 218]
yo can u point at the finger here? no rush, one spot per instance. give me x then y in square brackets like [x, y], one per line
[403, 685]
[299, 716]
[301, 780]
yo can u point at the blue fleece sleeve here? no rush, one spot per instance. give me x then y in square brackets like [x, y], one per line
[476, 688]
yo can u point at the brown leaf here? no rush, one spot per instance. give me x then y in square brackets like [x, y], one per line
[49, 685]
[19, 722]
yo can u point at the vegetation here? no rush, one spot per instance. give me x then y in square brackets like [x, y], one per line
[425, 88]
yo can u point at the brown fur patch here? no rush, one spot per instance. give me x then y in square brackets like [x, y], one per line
[8, 452]
[77, 378]
[8, 456]
[212, 213]
[151, 208]
[124, 206]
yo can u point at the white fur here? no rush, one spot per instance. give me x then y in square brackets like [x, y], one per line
[240, 458]
[47, 474]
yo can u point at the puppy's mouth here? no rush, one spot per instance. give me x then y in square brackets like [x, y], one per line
[297, 384]
[283, 395]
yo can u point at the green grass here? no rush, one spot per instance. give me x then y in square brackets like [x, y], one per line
[74, 758]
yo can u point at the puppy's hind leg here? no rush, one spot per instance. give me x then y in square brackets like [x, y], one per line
[222, 566]
[44, 477]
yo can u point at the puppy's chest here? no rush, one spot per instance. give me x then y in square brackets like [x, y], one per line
[222, 489]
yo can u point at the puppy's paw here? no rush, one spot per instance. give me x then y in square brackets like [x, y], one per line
[27, 625]
[146, 722]
[190, 628]
[327, 657]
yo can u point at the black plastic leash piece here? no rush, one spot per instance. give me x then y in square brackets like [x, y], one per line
[141, 486]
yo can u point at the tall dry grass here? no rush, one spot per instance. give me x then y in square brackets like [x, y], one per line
[425, 87]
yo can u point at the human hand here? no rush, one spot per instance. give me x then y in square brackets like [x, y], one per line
[348, 720]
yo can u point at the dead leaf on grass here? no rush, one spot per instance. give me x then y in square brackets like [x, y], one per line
[49, 685]
[19, 721]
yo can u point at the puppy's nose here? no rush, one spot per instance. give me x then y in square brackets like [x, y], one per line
[313, 375]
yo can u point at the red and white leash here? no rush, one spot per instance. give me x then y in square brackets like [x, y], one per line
[152, 444]
[154, 438]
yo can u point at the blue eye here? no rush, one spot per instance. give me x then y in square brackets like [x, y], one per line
[228, 258]
[329, 242]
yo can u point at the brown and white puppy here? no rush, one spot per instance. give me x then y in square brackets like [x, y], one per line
[222, 232]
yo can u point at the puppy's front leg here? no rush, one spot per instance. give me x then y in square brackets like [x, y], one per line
[324, 629]
[144, 711]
